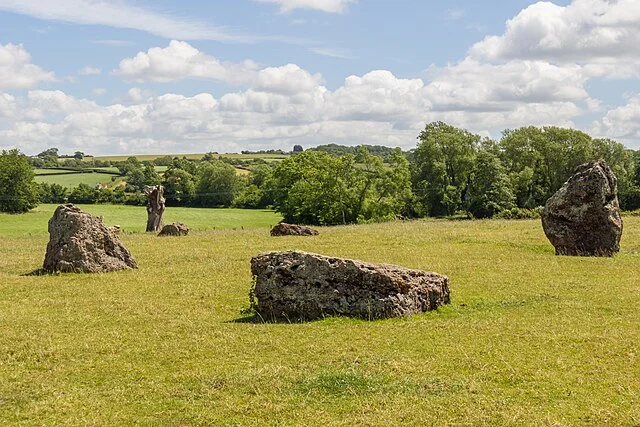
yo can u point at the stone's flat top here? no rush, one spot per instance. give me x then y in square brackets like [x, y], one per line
[303, 285]
[335, 262]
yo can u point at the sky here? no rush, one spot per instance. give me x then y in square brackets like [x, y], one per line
[110, 77]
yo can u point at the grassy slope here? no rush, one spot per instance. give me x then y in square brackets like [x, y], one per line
[145, 157]
[530, 338]
[71, 180]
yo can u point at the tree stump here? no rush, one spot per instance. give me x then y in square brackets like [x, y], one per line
[155, 207]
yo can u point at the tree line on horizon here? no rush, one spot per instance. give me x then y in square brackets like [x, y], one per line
[451, 172]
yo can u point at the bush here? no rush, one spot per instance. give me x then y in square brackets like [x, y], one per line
[52, 193]
[520, 213]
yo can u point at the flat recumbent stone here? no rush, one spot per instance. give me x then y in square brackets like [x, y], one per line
[296, 285]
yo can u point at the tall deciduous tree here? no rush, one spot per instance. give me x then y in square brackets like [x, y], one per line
[217, 184]
[180, 186]
[315, 187]
[18, 191]
[443, 164]
[490, 191]
[540, 160]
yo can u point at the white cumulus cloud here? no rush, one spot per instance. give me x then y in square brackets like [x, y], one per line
[621, 123]
[17, 71]
[180, 60]
[601, 35]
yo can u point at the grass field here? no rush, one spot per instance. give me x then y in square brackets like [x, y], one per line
[71, 180]
[144, 157]
[134, 218]
[529, 339]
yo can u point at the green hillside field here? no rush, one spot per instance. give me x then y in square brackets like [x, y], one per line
[529, 338]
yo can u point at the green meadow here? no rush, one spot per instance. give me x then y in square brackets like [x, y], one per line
[192, 156]
[133, 219]
[71, 180]
[529, 338]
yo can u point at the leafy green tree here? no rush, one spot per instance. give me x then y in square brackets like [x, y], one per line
[258, 174]
[163, 161]
[490, 190]
[622, 162]
[52, 193]
[50, 161]
[184, 164]
[444, 162]
[180, 186]
[18, 191]
[49, 152]
[250, 197]
[540, 160]
[132, 163]
[217, 184]
[385, 189]
[315, 187]
[140, 175]
[306, 188]
[210, 156]
[83, 193]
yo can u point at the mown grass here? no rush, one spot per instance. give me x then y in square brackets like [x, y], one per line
[529, 339]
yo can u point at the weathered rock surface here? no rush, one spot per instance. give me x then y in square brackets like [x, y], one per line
[174, 229]
[583, 217]
[82, 243]
[284, 229]
[305, 286]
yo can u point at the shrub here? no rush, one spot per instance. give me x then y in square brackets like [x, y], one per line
[520, 213]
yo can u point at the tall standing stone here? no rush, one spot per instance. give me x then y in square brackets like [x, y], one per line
[155, 207]
[583, 217]
[81, 243]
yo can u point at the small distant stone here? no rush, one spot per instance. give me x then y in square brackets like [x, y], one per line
[284, 229]
[583, 217]
[82, 243]
[175, 229]
[294, 285]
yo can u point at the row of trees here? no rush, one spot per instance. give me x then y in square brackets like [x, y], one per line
[451, 171]
[455, 170]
